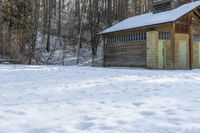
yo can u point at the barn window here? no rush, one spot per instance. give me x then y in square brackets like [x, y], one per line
[126, 38]
[131, 38]
[164, 35]
[145, 36]
[122, 38]
[117, 39]
[107, 40]
[137, 36]
[110, 40]
[196, 38]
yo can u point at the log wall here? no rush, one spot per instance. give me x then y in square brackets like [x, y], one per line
[126, 54]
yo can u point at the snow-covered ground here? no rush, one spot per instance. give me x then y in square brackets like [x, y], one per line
[55, 99]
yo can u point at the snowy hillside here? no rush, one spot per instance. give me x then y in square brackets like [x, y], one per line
[54, 99]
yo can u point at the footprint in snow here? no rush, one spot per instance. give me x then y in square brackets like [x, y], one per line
[102, 102]
[170, 112]
[98, 108]
[196, 101]
[117, 107]
[15, 113]
[106, 94]
[147, 113]
[88, 118]
[138, 104]
[175, 121]
[39, 130]
[1, 117]
[84, 125]
[33, 88]
[120, 122]
[104, 127]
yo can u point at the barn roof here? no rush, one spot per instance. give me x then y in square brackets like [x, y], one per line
[149, 19]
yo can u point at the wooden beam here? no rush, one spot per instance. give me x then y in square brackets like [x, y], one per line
[104, 47]
[190, 42]
[198, 9]
[138, 28]
[196, 17]
[197, 13]
[173, 45]
[182, 22]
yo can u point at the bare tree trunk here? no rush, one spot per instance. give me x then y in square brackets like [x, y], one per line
[59, 17]
[9, 32]
[1, 27]
[63, 4]
[94, 26]
[44, 5]
[79, 44]
[81, 15]
[49, 26]
[35, 30]
[109, 14]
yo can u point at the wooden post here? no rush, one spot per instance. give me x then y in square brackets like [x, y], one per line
[190, 43]
[173, 61]
[104, 62]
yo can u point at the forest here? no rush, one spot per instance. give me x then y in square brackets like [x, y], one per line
[36, 31]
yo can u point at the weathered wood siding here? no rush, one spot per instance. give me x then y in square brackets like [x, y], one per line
[168, 54]
[152, 49]
[195, 46]
[126, 54]
[195, 62]
[178, 39]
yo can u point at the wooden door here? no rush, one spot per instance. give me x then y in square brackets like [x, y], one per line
[183, 54]
[161, 54]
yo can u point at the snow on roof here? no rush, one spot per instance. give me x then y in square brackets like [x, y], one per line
[152, 19]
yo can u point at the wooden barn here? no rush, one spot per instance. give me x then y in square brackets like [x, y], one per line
[166, 38]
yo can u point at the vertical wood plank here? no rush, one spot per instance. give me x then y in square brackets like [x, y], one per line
[173, 46]
[190, 42]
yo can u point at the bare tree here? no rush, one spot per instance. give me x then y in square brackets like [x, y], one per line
[49, 26]
[35, 30]
[1, 26]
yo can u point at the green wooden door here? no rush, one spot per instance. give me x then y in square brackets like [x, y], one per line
[161, 54]
[182, 55]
